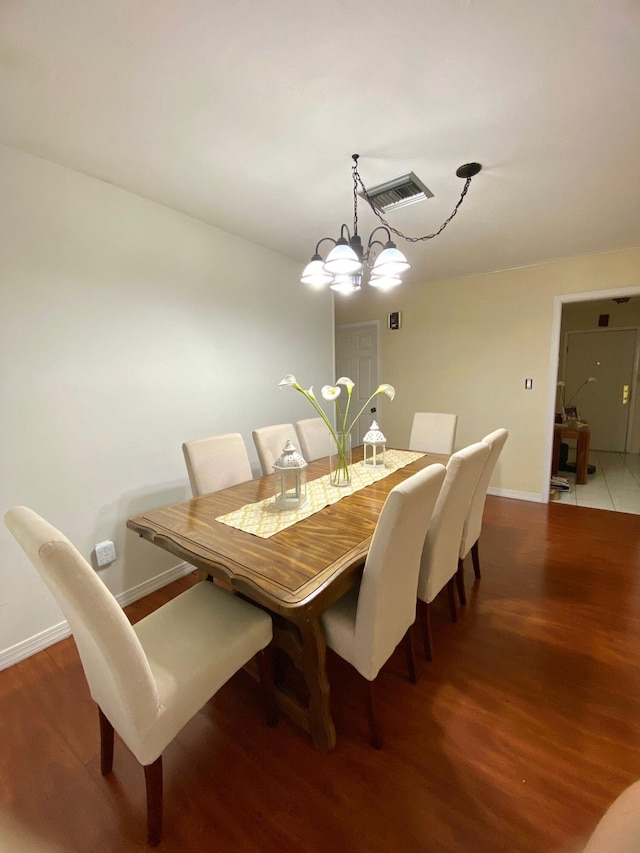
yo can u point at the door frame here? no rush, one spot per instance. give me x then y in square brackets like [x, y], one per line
[554, 359]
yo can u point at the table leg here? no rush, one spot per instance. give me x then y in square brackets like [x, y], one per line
[582, 457]
[314, 657]
[555, 455]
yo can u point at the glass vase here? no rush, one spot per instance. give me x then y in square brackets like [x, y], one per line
[340, 459]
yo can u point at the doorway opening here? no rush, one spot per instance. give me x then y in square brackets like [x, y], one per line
[597, 377]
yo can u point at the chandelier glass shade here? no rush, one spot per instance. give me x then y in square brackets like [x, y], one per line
[348, 261]
[342, 260]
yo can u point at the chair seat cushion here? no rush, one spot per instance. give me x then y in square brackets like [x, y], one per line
[194, 644]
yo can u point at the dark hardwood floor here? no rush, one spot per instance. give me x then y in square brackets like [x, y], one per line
[515, 739]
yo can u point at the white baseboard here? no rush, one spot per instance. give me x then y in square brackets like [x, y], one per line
[157, 582]
[518, 496]
[52, 635]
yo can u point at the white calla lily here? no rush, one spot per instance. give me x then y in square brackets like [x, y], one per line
[389, 390]
[348, 383]
[288, 381]
[330, 392]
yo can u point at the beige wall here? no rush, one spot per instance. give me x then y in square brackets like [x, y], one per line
[126, 328]
[467, 345]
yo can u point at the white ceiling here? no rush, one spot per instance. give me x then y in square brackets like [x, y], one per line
[245, 114]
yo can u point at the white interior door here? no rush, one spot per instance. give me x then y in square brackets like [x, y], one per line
[609, 355]
[357, 358]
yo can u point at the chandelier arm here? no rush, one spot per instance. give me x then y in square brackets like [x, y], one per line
[467, 183]
[322, 241]
[379, 228]
[344, 227]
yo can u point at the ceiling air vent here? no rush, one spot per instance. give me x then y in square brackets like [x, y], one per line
[398, 193]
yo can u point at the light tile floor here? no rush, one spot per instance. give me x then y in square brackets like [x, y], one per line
[614, 486]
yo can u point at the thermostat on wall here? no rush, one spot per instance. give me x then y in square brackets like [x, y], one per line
[395, 320]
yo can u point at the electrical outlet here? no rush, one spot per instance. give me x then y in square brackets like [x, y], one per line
[105, 552]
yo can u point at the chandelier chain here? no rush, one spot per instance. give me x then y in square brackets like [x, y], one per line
[356, 177]
[357, 180]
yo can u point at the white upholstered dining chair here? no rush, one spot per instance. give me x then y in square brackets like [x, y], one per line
[618, 831]
[439, 563]
[216, 463]
[269, 442]
[151, 678]
[365, 625]
[473, 522]
[314, 437]
[433, 432]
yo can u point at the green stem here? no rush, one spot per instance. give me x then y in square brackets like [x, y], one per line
[341, 417]
[319, 409]
[346, 411]
[353, 423]
[340, 475]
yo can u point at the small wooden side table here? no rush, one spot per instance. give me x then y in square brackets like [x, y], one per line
[581, 432]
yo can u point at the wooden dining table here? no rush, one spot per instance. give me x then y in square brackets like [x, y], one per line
[295, 574]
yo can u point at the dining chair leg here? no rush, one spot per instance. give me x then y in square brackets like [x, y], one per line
[153, 778]
[374, 725]
[265, 666]
[451, 593]
[462, 595]
[106, 744]
[425, 623]
[476, 559]
[410, 653]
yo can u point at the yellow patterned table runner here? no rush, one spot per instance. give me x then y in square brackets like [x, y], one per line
[264, 519]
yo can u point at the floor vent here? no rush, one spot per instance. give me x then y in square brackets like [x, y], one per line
[398, 193]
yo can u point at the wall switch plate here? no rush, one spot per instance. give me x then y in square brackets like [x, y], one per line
[528, 384]
[105, 552]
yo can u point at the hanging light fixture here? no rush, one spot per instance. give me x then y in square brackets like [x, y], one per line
[348, 261]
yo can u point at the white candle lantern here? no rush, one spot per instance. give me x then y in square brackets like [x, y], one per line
[290, 472]
[374, 442]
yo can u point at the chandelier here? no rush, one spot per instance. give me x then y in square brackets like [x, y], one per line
[348, 261]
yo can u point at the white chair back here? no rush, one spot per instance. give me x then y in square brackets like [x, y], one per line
[313, 437]
[433, 432]
[216, 463]
[270, 441]
[115, 665]
[387, 598]
[473, 522]
[618, 830]
[148, 680]
[441, 548]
